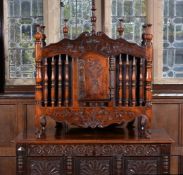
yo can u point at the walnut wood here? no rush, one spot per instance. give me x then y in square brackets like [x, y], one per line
[97, 73]
[120, 81]
[147, 37]
[38, 88]
[74, 82]
[60, 81]
[95, 78]
[112, 69]
[141, 84]
[53, 82]
[66, 100]
[133, 81]
[45, 83]
[127, 82]
[87, 151]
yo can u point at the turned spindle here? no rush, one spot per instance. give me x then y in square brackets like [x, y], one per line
[53, 81]
[120, 81]
[133, 81]
[147, 43]
[59, 80]
[66, 102]
[127, 81]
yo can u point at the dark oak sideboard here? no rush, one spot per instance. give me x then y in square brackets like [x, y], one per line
[94, 152]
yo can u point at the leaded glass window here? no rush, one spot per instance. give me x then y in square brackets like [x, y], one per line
[23, 15]
[134, 14]
[78, 13]
[173, 39]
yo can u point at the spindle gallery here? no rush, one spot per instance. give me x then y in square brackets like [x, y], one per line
[93, 81]
[93, 106]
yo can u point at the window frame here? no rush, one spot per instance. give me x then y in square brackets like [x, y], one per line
[154, 11]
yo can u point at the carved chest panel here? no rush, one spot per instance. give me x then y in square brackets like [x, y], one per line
[92, 155]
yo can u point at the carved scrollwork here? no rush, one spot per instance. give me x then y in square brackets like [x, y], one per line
[60, 150]
[100, 43]
[130, 150]
[91, 117]
[98, 150]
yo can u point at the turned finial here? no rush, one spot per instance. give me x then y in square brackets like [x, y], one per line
[42, 29]
[147, 36]
[93, 17]
[65, 29]
[38, 35]
[120, 28]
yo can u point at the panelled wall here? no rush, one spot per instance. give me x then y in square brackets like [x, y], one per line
[17, 114]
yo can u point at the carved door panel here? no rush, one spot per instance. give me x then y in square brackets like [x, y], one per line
[94, 166]
[141, 165]
[45, 165]
[93, 71]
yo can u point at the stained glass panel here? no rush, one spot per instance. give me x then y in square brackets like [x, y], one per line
[23, 15]
[134, 14]
[173, 39]
[78, 13]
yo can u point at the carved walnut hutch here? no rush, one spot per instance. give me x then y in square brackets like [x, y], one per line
[92, 87]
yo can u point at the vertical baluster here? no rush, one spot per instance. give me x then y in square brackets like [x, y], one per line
[120, 81]
[59, 80]
[112, 69]
[45, 82]
[141, 97]
[75, 81]
[66, 102]
[127, 81]
[147, 43]
[52, 81]
[133, 81]
[39, 79]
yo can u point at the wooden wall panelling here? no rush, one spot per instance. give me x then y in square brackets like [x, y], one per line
[8, 119]
[12, 121]
[167, 113]
[17, 114]
[8, 165]
[167, 116]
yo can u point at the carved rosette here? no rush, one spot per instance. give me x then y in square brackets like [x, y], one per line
[97, 167]
[97, 149]
[141, 167]
[60, 150]
[45, 166]
[92, 117]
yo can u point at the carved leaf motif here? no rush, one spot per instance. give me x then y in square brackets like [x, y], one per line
[141, 167]
[45, 166]
[94, 167]
[91, 117]
[100, 43]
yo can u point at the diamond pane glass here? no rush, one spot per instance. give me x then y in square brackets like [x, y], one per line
[78, 13]
[173, 39]
[134, 14]
[23, 15]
